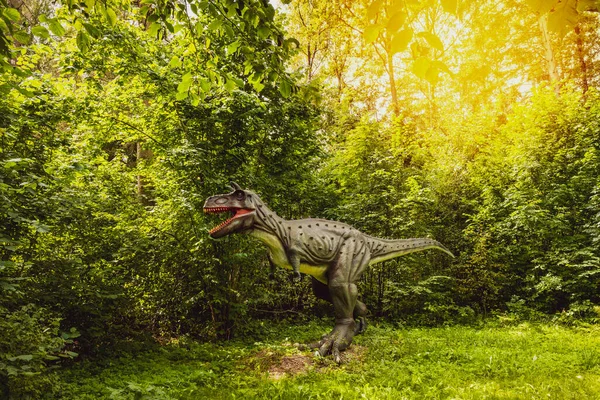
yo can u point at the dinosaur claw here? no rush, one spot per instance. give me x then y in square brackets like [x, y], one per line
[335, 342]
[335, 352]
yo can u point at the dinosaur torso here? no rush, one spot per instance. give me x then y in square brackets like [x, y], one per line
[314, 246]
[316, 242]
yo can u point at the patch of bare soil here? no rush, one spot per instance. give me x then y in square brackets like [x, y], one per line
[290, 365]
[278, 364]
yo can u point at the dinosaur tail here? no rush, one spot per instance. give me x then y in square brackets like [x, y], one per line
[383, 249]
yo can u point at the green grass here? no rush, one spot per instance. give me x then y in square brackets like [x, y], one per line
[526, 361]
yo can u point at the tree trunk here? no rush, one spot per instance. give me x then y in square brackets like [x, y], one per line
[140, 185]
[582, 64]
[551, 68]
[390, 68]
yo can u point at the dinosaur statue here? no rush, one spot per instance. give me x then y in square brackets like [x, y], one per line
[333, 253]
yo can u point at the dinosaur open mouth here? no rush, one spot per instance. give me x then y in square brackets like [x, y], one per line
[235, 213]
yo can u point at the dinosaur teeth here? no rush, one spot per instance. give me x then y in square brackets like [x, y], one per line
[237, 212]
[213, 210]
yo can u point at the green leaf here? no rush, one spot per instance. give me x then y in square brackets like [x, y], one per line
[154, 28]
[285, 88]
[396, 21]
[22, 37]
[214, 25]
[12, 14]
[264, 32]
[92, 30]
[232, 48]
[25, 357]
[175, 62]
[258, 86]
[450, 6]
[433, 40]
[401, 40]
[184, 86]
[204, 84]
[181, 95]
[371, 33]
[72, 353]
[55, 27]
[83, 41]
[111, 16]
[230, 85]
[420, 67]
[199, 26]
[374, 8]
[41, 228]
[40, 31]
[3, 26]
[194, 99]
[187, 77]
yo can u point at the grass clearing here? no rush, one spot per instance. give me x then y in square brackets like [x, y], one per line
[526, 361]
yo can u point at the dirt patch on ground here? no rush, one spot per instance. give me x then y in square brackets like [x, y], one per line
[290, 365]
[281, 362]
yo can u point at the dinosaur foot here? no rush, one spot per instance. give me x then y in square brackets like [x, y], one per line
[339, 339]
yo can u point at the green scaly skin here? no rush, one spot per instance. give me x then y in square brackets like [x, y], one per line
[333, 253]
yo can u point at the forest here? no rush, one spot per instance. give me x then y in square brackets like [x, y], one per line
[474, 123]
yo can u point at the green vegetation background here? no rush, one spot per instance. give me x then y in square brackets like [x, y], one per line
[118, 119]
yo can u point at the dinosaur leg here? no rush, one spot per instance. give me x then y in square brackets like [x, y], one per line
[359, 313]
[343, 292]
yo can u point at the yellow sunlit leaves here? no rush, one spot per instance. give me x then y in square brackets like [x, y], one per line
[563, 17]
[433, 40]
[450, 6]
[442, 67]
[396, 21]
[371, 33]
[401, 40]
[432, 75]
[541, 6]
[429, 70]
[374, 8]
[588, 5]
[420, 67]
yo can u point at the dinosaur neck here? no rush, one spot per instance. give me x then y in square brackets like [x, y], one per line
[268, 221]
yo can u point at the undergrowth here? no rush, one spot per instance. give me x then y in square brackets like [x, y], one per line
[494, 361]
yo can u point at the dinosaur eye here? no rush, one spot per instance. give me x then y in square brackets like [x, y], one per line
[240, 195]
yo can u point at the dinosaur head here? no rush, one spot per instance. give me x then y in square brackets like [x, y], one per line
[240, 203]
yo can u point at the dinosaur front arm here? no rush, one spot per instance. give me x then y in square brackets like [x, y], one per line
[294, 260]
[272, 266]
